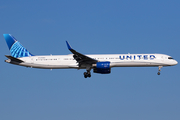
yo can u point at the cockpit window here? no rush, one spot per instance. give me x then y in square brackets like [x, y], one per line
[170, 58]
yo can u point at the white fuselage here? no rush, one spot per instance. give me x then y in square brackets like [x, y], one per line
[116, 60]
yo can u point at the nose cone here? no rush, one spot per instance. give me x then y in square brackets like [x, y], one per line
[175, 62]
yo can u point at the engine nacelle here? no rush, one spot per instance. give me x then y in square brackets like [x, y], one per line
[102, 67]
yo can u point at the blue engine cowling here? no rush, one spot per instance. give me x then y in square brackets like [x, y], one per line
[102, 67]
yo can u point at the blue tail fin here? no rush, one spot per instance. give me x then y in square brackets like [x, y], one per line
[16, 49]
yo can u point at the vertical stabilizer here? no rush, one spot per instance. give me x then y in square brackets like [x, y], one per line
[16, 49]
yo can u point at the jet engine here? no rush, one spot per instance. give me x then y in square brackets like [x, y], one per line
[102, 68]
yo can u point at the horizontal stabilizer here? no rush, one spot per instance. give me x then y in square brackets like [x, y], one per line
[14, 59]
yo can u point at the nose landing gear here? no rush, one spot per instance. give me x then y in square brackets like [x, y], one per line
[159, 69]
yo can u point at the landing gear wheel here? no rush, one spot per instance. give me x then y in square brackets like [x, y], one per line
[87, 74]
[84, 73]
[158, 73]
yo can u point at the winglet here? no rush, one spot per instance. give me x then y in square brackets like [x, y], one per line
[68, 45]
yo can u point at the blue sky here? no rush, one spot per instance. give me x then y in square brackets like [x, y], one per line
[91, 27]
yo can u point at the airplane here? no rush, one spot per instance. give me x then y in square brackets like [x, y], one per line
[100, 63]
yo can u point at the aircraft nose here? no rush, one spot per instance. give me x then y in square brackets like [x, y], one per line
[175, 62]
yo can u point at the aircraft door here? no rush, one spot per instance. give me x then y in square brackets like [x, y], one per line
[162, 58]
[32, 60]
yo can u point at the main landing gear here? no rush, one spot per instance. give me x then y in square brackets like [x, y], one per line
[159, 69]
[87, 74]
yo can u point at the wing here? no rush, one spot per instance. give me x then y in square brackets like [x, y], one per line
[80, 58]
